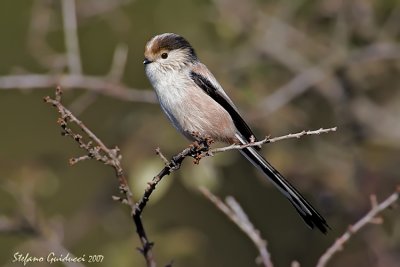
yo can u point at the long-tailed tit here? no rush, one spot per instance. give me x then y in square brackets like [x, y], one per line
[194, 102]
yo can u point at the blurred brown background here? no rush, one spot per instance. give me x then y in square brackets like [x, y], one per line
[289, 66]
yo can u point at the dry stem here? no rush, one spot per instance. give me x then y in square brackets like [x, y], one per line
[368, 218]
[96, 149]
[235, 213]
[272, 140]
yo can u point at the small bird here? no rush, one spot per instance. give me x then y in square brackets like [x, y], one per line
[195, 102]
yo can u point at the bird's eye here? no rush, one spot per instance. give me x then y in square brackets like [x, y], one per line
[164, 55]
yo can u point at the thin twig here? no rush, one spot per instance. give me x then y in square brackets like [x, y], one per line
[161, 155]
[272, 140]
[368, 218]
[235, 213]
[195, 151]
[98, 150]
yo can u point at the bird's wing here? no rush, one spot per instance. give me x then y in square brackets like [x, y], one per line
[202, 77]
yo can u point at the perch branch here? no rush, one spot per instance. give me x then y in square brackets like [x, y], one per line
[195, 150]
[200, 149]
[370, 217]
[272, 140]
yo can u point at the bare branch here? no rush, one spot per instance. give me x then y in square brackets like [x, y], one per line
[200, 149]
[272, 140]
[368, 218]
[235, 213]
[96, 149]
[39, 26]
[295, 87]
[71, 36]
[70, 81]
[159, 153]
[195, 150]
[29, 220]
[119, 61]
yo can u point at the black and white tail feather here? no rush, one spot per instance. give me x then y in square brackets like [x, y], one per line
[244, 134]
[311, 217]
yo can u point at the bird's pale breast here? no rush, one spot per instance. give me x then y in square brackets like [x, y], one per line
[192, 110]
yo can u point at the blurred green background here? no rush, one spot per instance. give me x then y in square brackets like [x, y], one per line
[288, 65]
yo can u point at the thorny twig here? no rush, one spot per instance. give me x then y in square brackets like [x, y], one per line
[370, 217]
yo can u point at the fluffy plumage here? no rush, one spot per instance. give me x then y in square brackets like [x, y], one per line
[194, 101]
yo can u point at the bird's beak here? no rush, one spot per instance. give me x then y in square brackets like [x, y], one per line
[146, 61]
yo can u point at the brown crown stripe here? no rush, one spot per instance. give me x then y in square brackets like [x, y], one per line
[171, 42]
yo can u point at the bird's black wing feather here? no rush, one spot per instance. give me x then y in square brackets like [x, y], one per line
[206, 85]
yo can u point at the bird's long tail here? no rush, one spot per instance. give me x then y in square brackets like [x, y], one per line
[311, 217]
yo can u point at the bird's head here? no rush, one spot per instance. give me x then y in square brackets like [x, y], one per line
[168, 51]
